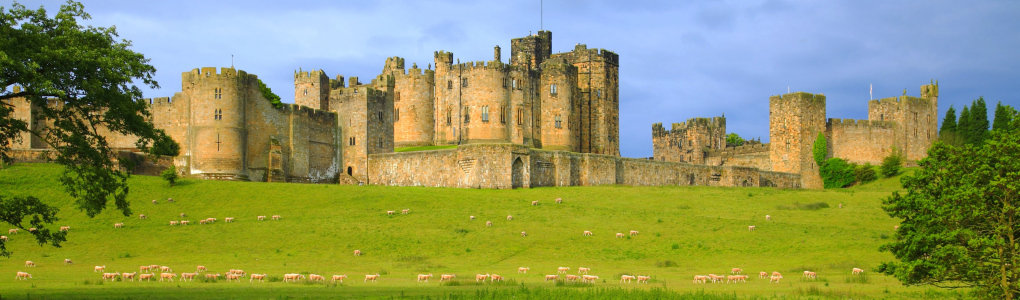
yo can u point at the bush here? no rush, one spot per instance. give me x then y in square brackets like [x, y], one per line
[820, 149]
[865, 173]
[170, 175]
[891, 164]
[837, 173]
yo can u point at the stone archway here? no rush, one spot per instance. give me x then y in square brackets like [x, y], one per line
[517, 171]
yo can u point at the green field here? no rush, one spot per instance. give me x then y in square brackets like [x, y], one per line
[684, 231]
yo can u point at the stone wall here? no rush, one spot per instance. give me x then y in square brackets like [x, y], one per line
[915, 118]
[750, 155]
[860, 141]
[688, 141]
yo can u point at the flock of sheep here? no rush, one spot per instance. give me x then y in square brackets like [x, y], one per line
[166, 273]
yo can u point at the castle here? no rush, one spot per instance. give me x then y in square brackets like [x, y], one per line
[906, 124]
[542, 119]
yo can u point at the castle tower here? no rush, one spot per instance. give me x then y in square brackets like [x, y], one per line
[413, 106]
[795, 120]
[217, 139]
[311, 89]
[531, 50]
[599, 82]
[915, 120]
[447, 100]
[559, 122]
[686, 142]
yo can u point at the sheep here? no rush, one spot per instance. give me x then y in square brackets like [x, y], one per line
[552, 277]
[583, 270]
[143, 269]
[586, 233]
[67, 261]
[405, 211]
[276, 217]
[471, 217]
[763, 274]
[509, 217]
[371, 277]
[571, 278]
[3, 238]
[110, 276]
[523, 270]
[212, 276]
[170, 200]
[811, 275]
[768, 218]
[182, 215]
[237, 272]
[22, 276]
[700, 278]
[165, 269]
[736, 271]
[12, 231]
[633, 232]
[144, 276]
[99, 269]
[261, 218]
[357, 252]
[228, 220]
[481, 277]
[201, 222]
[626, 278]
[201, 269]
[124, 276]
[534, 202]
[643, 279]
[494, 278]
[897, 227]
[524, 233]
[230, 277]
[142, 217]
[260, 277]
[750, 228]
[559, 200]
[212, 220]
[716, 278]
[776, 273]
[619, 235]
[446, 277]
[338, 277]
[33, 229]
[292, 277]
[390, 212]
[806, 273]
[488, 223]
[856, 271]
[153, 268]
[29, 263]
[154, 201]
[65, 228]
[118, 225]
[185, 222]
[316, 277]
[841, 205]
[588, 278]
[562, 270]
[420, 277]
[775, 279]
[174, 223]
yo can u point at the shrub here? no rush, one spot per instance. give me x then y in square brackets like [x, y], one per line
[170, 175]
[820, 149]
[837, 173]
[865, 173]
[891, 164]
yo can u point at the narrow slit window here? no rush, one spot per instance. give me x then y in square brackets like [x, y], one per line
[463, 82]
[552, 89]
[449, 84]
[485, 113]
[502, 114]
[467, 116]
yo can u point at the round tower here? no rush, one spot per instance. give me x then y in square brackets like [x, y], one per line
[414, 108]
[218, 136]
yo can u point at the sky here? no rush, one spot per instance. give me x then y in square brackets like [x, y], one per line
[678, 59]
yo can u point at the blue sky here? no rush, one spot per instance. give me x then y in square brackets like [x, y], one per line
[678, 59]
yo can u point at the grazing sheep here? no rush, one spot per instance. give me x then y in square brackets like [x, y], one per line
[586, 233]
[3, 238]
[768, 218]
[471, 217]
[763, 274]
[626, 278]
[523, 270]
[524, 233]
[276, 217]
[65, 228]
[390, 212]
[99, 268]
[494, 278]
[750, 228]
[230, 277]
[153, 268]
[143, 269]
[201, 269]
[171, 200]
[420, 277]
[406, 211]
[775, 279]
[261, 277]
[339, 277]
[488, 223]
[509, 217]
[228, 220]
[447, 277]
[371, 277]
[145, 276]
[588, 278]
[633, 232]
[534, 202]
[700, 278]
[213, 276]
[118, 225]
[571, 278]
[643, 279]
[201, 222]
[29, 263]
[185, 222]
[736, 271]
[33, 229]
[110, 276]
[174, 223]
[619, 235]
[183, 215]
[154, 201]
[261, 218]
[856, 271]
[583, 270]
[22, 276]
[357, 252]
[165, 269]
[124, 276]
[67, 261]
[12, 231]
[562, 270]
[142, 217]
[552, 277]
[559, 200]
[292, 277]
[316, 277]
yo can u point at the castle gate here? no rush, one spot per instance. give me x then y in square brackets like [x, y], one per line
[518, 173]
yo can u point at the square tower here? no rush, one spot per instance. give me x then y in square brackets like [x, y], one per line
[795, 120]
[311, 89]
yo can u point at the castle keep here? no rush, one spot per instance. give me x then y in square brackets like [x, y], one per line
[536, 119]
[907, 124]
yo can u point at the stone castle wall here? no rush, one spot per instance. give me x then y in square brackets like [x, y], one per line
[752, 156]
[860, 141]
[689, 141]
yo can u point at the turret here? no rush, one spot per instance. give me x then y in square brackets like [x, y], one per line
[311, 89]
[218, 137]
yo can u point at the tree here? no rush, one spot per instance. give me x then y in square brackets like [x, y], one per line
[865, 173]
[267, 93]
[733, 140]
[949, 122]
[820, 149]
[170, 175]
[978, 132]
[891, 164]
[837, 173]
[1003, 116]
[961, 219]
[963, 126]
[91, 74]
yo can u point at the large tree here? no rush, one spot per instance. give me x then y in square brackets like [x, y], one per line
[1003, 116]
[961, 219]
[89, 74]
[978, 131]
[949, 122]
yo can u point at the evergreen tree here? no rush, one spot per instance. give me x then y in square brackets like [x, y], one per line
[949, 122]
[963, 125]
[1003, 116]
[978, 123]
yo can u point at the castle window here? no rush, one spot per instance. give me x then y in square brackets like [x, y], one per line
[598, 93]
[552, 89]
[351, 141]
[380, 115]
[467, 116]
[559, 122]
[217, 93]
[463, 82]
[396, 114]
[396, 97]
[355, 91]
[218, 114]
[505, 82]
[515, 83]
[218, 142]
[520, 116]
[306, 92]
[449, 84]
[449, 117]
[502, 114]
[485, 113]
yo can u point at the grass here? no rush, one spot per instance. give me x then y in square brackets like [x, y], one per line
[685, 231]
[423, 148]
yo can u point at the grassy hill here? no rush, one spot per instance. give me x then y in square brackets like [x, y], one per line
[684, 231]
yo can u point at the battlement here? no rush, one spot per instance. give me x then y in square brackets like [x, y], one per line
[211, 72]
[902, 100]
[444, 57]
[831, 122]
[159, 101]
[492, 65]
[799, 96]
[393, 64]
[700, 122]
[314, 74]
[741, 150]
